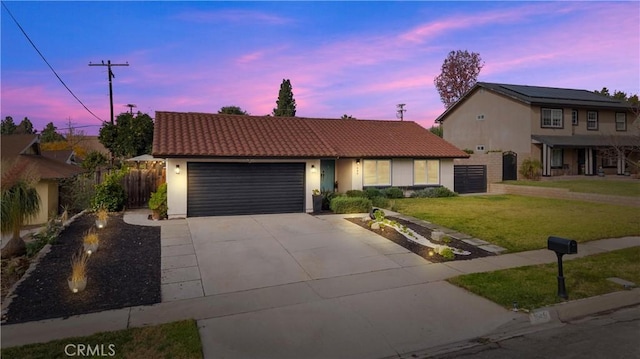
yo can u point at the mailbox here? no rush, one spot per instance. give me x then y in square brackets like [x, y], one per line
[562, 245]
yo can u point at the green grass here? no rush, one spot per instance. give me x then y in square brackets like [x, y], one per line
[537, 286]
[178, 340]
[608, 187]
[520, 223]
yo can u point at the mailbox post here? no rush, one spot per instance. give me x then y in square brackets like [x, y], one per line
[562, 246]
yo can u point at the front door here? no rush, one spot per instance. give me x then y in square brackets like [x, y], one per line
[327, 175]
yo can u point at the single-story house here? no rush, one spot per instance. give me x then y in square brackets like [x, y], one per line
[50, 171]
[571, 131]
[232, 164]
[66, 156]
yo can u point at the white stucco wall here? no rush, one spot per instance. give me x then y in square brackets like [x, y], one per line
[446, 173]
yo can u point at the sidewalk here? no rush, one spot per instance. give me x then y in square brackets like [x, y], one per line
[376, 314]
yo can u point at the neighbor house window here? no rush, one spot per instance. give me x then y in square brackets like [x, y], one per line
[609, 161]
[556, 158]
[377, 172]
[426, 172]
[574, 117]
[552, 117]
[621, 121]
[592, 120]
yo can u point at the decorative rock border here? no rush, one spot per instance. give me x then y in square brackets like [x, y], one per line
[32, 266]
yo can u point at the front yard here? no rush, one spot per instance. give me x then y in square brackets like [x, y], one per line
[595, 185]
[520, 223]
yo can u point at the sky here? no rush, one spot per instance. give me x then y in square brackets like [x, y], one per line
[354, 58]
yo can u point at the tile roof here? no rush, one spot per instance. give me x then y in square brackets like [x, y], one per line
[26, 148]
[191, 134]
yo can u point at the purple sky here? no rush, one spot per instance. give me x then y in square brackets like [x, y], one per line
[355, 58]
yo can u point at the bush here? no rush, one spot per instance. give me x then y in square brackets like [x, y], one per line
[110, 194]
[351, 205]
[393, 192]
[436, 192]
[530, 169]
[158, 200]
[380, 202]
[327, 197]
[76, 193]
[447, 253]
[355, 193]
[372, 193]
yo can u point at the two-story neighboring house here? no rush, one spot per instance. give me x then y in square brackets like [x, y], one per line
[571, 132]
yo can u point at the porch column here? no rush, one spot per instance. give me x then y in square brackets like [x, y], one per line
[546, 160]
[621, 162]
[588, 162]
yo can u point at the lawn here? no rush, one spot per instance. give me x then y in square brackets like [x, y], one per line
[179, 340]
[520, 223]
[600, 186]
[536, 286]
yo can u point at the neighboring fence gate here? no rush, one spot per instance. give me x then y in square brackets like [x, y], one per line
[139, 182]
[470, 178]
[509, 166]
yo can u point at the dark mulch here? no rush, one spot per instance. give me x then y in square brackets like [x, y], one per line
[419, 249]
[125, 271]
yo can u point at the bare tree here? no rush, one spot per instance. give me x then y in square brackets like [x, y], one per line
[460, 72]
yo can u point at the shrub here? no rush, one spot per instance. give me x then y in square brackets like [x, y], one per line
[327, 197]
[351, 205]
[372, 193]
[355, 193]
[434, 193]
[380, 202]
[468, 151]
[76, 193]
[530, 169]
[158, 200]
[110, 194]
[447, 253]
[46, 236]
[393, 192]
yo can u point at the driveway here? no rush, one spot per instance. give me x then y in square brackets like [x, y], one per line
[301, 286]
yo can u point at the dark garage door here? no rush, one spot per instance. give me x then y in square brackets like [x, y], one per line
[470, 179]
[221, 189]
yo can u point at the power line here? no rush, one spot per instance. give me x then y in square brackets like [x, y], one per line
[110, 75]
[47, 62]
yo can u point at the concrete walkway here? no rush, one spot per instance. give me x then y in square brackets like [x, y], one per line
[303, 286]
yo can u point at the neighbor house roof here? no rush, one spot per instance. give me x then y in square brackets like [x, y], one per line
[26, 148]
[66, 156]
[545, 96]
[191, 134]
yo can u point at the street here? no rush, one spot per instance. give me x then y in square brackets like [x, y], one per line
[610, 335]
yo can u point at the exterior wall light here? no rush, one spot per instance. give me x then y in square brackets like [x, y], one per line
[313, 169]
[177, 169]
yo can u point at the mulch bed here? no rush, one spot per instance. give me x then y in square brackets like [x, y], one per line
[419, 249]
[125, 271]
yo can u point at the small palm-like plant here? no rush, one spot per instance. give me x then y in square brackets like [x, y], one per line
[19, 203]
[78, 279]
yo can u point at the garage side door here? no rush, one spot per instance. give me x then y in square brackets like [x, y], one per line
[221, 189]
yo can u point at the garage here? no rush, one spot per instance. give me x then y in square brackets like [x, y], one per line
[223, 189]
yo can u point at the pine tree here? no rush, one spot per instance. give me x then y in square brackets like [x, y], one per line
[286, 104]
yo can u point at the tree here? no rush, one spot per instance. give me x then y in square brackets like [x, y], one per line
[20, 202]
[25, 127]
[232, 110]
[8, 126]
[93, 160]
[286, 104]
[129, 137]
[50, 134]
[436, 130]
[460, 72]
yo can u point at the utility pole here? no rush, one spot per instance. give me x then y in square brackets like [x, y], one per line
[130, 106]
[110, 75]
[400, 111]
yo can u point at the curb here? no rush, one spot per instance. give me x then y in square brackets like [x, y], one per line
[540, 319]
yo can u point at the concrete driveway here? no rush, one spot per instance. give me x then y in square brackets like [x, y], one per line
[302, 286]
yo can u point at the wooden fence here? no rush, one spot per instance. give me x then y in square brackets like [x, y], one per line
[139, 182]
